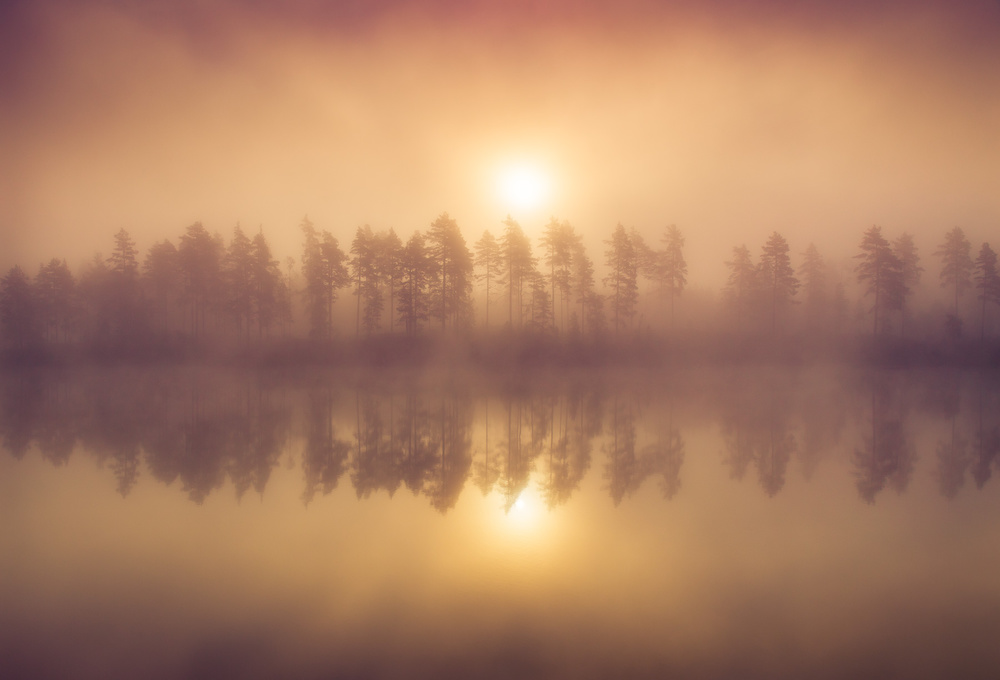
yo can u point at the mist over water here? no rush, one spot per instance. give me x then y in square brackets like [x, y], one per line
[436, 339]
[766, 522]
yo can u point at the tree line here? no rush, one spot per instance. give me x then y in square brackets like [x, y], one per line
[204, 288]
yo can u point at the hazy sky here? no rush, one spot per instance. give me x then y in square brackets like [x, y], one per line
[730, 119]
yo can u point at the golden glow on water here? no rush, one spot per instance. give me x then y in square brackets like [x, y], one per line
[720, 572]
[527, 521]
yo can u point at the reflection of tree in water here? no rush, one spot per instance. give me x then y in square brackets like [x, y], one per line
[415, 433]
[886, 456]
[555, 428]
[952, 462]
[823, 413]
[774, 451]
[623, 471]
[486, 467]
[516, 468]
[375, 464]
[207, 427]
[952, 452]
[259, 435]
[324, 460]
[23, 397]
[987, 438]
[447, 477]
[755, 430]
[576, 421]
[666, 454]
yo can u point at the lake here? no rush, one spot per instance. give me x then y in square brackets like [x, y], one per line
[695, 523]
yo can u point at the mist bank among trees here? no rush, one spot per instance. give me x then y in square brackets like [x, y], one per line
[390, 300]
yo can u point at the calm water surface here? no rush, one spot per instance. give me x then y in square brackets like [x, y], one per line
[714, 523]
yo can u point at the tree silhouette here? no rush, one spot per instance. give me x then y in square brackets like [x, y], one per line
[987, 281]
[519, 263]
[55, 293]
[742, 284]
[325, 274]
[200, 258]
[413, 306]
[956, 263]
[18, 311]
[451, 273]
[557, 242]
[123, 288]
[161, 277]
[489, 260]
[591, 303]
[776, 275]
[540, 309]
[268, 290]
[237, 273]
[123, 258]
[813, 273]
[905, 251]
[671, 268]
[367, 280]
[389, 251]
[882, 272]
[622, 277]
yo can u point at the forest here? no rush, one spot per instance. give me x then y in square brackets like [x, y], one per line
[503, 299]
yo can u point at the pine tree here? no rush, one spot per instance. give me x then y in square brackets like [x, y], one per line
[909, 260]
[583, 286]
[325, 273]
[451, 280]
[622, 279]
[557, 243]
[55, 293]
[672, 267]
[488, 260]
[123, 258]
[237, 267]
[123, 291]
[267, 286]
[518, 261]
[200, 259]
[741, 286]
[776, 275]
[988, 282]
[415, 269]
[18, 310]
[389, 252]
[956, 263]
[881, 271]
[814, 286]
[367, 281]
[161, 278]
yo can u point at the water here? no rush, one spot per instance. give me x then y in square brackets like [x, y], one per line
[741, 522]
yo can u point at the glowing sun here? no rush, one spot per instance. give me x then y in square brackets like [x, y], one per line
[523, 187]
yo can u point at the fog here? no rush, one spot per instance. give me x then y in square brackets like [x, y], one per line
[728, 122]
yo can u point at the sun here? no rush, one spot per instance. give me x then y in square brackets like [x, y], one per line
[523, 187]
